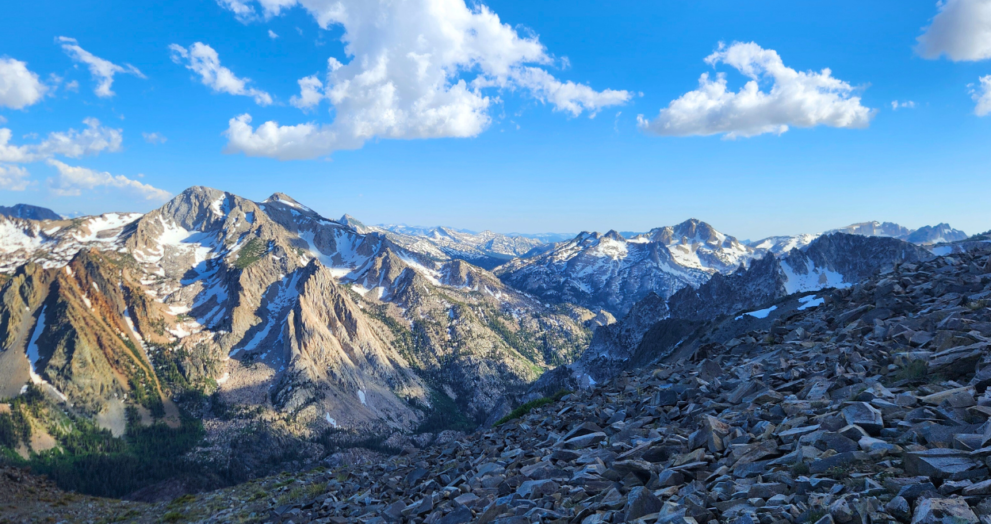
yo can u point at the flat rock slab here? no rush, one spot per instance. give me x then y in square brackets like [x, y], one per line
[948, 464]
[944, 511]
[864, 415]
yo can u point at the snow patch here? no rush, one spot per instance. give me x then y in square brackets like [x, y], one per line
[809, 302]
[813, 279]
[761, 313]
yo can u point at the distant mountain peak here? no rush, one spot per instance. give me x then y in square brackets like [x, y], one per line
[349, 220]
[612, 234]
[29, 212]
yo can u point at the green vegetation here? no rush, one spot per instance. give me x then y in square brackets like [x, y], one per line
[915, 371]
[532, 405]
[408, 342]
[522, 341]
[173, 516]
[14, 426]
[443, 414]
[251, 253]
[90, 459]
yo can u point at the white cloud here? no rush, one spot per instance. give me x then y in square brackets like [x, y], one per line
[72, 86]
[907, 104]
[982, 95]
[13, 178]
[802, 99]
[74, 144]
[416, 69]
[204, 61]
[154, 138]
[19, 87]
[961, 30]
[567, 96]
[310, 93]
[72, 180]
[272, 34]
[103, 71]
[241, 10]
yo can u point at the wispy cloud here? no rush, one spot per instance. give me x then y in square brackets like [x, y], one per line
[103, 71]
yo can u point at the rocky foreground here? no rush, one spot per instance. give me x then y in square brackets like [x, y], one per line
[872, 407]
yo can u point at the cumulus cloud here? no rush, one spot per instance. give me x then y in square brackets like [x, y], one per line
[982, 95]
[802, 99]
[416, 69]
[103, 71]
[241, 10]
[272, 34]
[961, 31]
[72, 180]
[13, 178]
[154, 138]
[73, 144]
[204, 61]
[907, 104]
[19, 87]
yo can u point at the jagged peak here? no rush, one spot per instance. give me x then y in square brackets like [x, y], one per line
[612, 234]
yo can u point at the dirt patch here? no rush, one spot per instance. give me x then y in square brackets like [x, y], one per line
[41, 440]
[113, 417]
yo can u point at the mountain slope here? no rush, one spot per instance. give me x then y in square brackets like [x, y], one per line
[468, 334]
[305, 323]
[74, 327]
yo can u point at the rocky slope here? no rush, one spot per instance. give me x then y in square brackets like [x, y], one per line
[867, 403]
[836, 260]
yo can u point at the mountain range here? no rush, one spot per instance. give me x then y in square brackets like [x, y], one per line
[312, 332]
[924, 235]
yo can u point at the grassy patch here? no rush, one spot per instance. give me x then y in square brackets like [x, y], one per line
[173, 516]
[532, 405]
[251, 253]
[915, 371]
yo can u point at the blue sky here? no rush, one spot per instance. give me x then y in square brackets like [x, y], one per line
[515, 148]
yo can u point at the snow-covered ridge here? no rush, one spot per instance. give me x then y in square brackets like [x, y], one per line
[54, 243]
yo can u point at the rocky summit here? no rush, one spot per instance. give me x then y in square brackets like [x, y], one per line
[865, 401]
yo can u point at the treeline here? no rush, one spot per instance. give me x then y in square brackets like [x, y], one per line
[91, 460]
